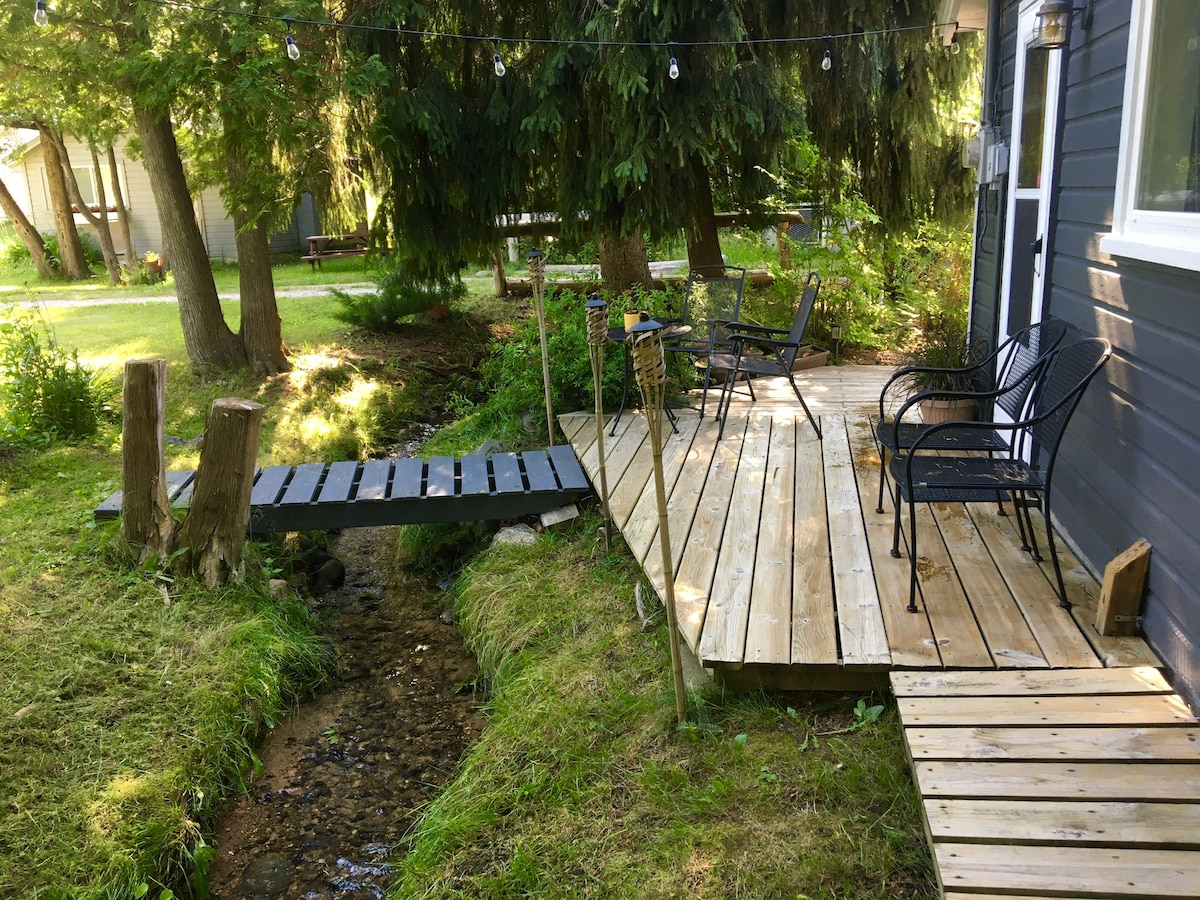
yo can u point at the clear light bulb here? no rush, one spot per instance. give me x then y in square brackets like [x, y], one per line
[500, 70]
[954, 47]
[827, 61]
[673, 71]
[293, 51]
[41, 18]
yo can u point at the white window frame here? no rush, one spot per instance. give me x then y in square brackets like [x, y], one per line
[1165, 238]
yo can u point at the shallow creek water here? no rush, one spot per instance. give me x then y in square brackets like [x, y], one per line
[345, 775]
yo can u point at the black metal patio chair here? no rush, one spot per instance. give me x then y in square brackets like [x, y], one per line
[1013, 363]
[712, 298]
[779, 350]
[924, 478]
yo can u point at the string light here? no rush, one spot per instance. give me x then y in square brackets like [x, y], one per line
[955, 49]
[41, 18]
[827, 60]
[499, 63]
[289, 43]
[673, 71]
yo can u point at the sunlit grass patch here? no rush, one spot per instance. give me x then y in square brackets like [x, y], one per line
[581, 778]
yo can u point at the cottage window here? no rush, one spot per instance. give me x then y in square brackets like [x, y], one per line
[1156, 215]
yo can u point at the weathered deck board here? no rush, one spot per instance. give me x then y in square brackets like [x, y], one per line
[986, 605]
[1089, 802]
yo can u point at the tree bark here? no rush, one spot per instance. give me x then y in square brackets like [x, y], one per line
[261, 330]
[99, 221]
[146, 519]
[214, 531]
[623, 262]
[70, 250]
[703, 241]
[27, 232]
[211, 346]
[122, 210]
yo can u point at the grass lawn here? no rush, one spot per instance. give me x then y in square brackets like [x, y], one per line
[130, 705]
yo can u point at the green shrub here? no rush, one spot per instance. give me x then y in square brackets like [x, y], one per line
[402, 294]
[46, 394]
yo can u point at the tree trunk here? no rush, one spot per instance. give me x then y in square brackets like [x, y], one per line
[28, 233]
[261, 330]
[214, 531]
[703, 242]
[114, 173]
[146, 519]
[70, 250]
[99, 220]
[623, 262]
[211, 346]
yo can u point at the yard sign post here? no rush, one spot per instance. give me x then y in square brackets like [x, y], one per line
[597, 330]
[650, 368]
[537, 274]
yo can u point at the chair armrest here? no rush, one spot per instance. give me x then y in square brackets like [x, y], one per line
[736, 326]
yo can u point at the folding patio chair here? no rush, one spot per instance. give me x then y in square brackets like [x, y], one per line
[712, 298]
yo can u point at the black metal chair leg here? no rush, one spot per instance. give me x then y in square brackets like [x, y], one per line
[1062, 587]
[896, 526]
[624, 389]
[1033, 549]
[882, 475]
[912, 554]
[1017, 505]
[800, 397]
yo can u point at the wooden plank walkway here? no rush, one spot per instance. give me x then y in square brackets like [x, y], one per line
[783, 575]
[1041, 783]
[402, 491]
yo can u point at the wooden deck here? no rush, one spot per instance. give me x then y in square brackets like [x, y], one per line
[1082, 784]
[783, 576]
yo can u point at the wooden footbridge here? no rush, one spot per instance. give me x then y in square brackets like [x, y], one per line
[403, 491]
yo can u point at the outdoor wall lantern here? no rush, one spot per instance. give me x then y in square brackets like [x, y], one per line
[1053, 31]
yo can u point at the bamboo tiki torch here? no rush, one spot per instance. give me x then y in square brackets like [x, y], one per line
[650, 368]
[597, 331]
[537, 274]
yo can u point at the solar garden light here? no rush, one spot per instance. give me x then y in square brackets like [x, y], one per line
[835, 332]
[537, 275]
[597, 332]
[650, 368]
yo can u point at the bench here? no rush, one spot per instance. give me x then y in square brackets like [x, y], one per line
[329, 246]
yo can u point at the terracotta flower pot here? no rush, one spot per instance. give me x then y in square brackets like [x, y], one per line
[934, 412]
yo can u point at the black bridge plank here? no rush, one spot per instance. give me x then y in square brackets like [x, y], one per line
[537, 467]
[507, 469]
[338, 483]
[374, 482]
[372, 505]
[566, 466]
[303, 486]
[441, 477]
[181, 495]
[409, 478]
[111, 507]
[475, 475]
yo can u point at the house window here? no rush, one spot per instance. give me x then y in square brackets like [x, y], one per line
[1156, 214]
[87, 186]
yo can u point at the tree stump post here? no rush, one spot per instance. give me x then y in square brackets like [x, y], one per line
[214, 531]
[146, 519]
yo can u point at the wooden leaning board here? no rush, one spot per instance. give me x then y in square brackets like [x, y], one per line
[326, 496]
[1055, 783]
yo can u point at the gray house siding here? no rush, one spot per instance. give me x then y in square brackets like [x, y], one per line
[1129, 467]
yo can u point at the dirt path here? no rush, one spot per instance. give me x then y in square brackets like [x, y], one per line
[344, 776]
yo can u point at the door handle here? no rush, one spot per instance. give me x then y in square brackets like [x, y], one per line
[1036, 246]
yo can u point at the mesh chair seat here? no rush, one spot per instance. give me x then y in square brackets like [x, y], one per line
[961, 479]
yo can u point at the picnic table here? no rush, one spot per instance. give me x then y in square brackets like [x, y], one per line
[329, 246]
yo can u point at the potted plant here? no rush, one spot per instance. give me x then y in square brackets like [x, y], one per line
[945, 361]
[153, 261]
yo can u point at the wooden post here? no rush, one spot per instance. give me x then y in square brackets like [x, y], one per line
[146, 519]
[1121, 593]
[782, 230]
[214, 531]
[537, 272]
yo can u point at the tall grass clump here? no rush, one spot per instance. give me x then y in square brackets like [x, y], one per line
[46, 393]
[581, 784]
